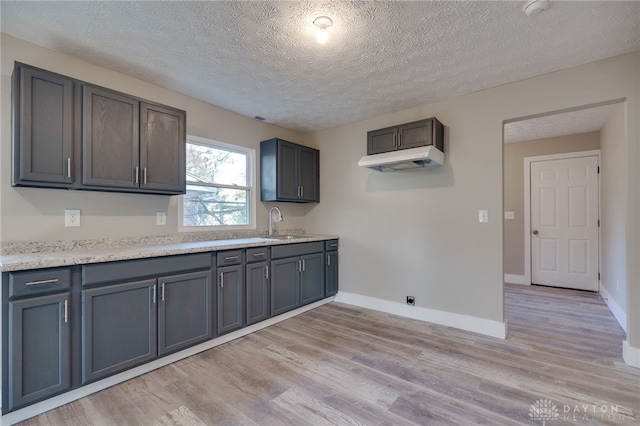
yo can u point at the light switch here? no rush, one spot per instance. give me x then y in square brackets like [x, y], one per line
[483, 216]
[509, 215]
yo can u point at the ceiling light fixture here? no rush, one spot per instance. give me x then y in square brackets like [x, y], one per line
[535, 7]
[323, 23]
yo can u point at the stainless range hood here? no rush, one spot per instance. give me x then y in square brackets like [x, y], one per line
[424, 156]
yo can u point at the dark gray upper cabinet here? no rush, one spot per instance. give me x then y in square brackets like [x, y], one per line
[110, 139]
[74, 135]
[43, 128]
[118, 327]
[405, 136]
[162, 148]
[184, 311]
[39, 349]
[289, 172]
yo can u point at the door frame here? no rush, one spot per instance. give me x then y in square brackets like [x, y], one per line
[527, 203]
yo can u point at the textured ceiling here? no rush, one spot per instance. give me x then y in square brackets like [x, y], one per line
[261, 58]
[562, 124]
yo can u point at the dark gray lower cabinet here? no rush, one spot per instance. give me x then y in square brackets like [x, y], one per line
[118, 328]
[285, 287]
[312, 278]
[257, 292]
[331, 274]
[184, 311]
[230, 298]
[39, 357]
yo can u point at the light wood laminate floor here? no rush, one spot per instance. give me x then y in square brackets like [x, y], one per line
[339, 364]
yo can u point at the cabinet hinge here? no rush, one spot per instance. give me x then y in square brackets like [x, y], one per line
[598, 169]
[598, 276]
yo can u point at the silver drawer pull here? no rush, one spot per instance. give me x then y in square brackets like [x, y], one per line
[258, 254]
[333, 245]
[51, 281]
[66, 311]
[232, 258]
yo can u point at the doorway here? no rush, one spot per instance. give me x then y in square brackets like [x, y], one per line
[563, 219]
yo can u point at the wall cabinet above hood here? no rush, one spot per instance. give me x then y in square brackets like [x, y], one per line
[409, 145]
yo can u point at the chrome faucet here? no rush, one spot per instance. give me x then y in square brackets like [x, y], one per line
[278, 218]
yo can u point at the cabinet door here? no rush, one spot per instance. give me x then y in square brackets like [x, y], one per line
[184, 311]
[287, 171]
[309, 174]
[230, 297]
[285, 285]
[43, 128]
[39, 358]
[383, 140]
[110, 139]
[257, 292]
[118, 328]
[416, 134]
[331, 274]
[162, 149]
[312, 278]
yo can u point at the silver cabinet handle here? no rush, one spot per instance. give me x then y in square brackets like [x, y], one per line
[69, 167]
[221, 279]
[303, 265]
[328, 260]
[42, 282]
[333, 245]
[535, 232]
[137, 172]
[231, 258]
[66, 311]
[394, 140]
[162, 294]
[399, 140]
[153, 298]
[259, 254]
[144, 173]
[301, 191]
[266, 272]
[299, 265]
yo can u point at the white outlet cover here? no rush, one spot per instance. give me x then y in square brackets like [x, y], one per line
[509, 215]
[161, 218]
[483, 216]
[72, 217]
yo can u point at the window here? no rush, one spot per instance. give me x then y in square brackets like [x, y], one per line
[220, 186]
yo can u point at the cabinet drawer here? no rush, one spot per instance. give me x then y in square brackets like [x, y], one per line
[102, 273]
[331, 245]
[296, 249]
[229, 257]
[39, 281]
[257, 254]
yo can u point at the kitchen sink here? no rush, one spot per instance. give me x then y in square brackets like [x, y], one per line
[283, 237]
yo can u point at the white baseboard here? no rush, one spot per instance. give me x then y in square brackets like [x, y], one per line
[65, 398]
[630, 354]
[463, 322]
[615, 309]
[515, 279]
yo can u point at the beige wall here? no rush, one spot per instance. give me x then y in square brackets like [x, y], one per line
[613, 214]
[38, 214]
[514, 154]
[416, 232]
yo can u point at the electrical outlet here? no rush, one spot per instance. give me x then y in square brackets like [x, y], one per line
[71, 217]
[509, 215]
[483, 216]
[411, 300]
[161, 218]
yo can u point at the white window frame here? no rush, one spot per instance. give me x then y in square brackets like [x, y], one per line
[251, 184]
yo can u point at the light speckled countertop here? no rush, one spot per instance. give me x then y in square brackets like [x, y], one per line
[49, 255]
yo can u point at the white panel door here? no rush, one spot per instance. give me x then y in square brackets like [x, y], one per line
[564, 223]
